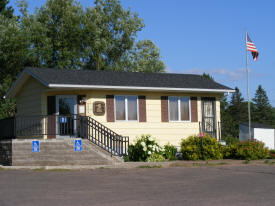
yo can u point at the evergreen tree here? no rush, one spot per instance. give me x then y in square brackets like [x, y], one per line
[207, 76]
[262, 113]
[237, 111]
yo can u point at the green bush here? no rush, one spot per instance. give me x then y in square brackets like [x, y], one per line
[251, 150]
[203, 147]
[155, 158]
[143, 148]
[229, 151]
[170, 152]
[272, 154]
[231, 140]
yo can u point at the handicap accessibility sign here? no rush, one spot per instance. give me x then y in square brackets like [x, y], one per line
[35, 146]
[78, 145]
[63, 119]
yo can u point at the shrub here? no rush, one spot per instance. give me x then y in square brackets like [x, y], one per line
[202, 147]
[251, 150]
[170, 152]
[272, 154]
[229, 151]
[143, 148]
[155, 158]
[231, 140]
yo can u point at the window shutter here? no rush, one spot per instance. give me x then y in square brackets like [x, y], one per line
[51, 105]
[194, 109]
[164, 108]
[110, 108]
[51, 110]
[142, 108]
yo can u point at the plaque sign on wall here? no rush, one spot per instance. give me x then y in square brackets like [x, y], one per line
[99, 108]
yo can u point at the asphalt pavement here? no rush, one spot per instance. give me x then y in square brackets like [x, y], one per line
[214, 186]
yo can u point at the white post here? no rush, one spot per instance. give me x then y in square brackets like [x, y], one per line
[248, 97]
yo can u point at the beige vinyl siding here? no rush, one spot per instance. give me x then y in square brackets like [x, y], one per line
[29, 98]
[164, 132]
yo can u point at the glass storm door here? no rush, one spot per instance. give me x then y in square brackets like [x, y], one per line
[66, 108]
[208, 116]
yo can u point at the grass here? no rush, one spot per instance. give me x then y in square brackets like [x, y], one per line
[50, 170]
[269, 162]
[178, 164]
[209, 164]
[246, 162]
[1, 168]
[266, 161]
[150, 166]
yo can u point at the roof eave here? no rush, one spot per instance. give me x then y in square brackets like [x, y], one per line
[133, 88]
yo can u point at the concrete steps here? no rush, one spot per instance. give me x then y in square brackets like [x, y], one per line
[53, 153]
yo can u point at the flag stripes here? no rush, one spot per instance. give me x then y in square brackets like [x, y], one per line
[251, 47]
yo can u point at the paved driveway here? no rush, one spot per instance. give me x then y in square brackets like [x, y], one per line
[220, 185]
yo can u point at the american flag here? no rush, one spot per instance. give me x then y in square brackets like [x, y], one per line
[251, 47]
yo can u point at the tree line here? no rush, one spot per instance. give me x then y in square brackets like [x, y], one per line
[235, 111]
[62, 34]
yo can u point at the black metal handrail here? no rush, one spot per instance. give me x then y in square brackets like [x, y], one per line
[103, 137]
[39, 126]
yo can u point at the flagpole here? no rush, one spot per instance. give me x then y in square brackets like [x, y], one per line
[248, 97]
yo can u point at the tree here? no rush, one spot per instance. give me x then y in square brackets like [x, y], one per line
[207, 76]
[262, 113]
[145, 57]
[5, 10]
[62, 34]
[11, 45]
[273, 117]
[234, 113]
[111, 32]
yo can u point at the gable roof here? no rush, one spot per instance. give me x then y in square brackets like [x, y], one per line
[85, 79]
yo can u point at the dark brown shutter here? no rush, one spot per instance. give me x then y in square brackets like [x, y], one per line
[194, 109]
[51, 111]
[142, 108]
[110, 108]
[164, 109]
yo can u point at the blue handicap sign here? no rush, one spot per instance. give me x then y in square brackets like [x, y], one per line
[63, 120]
[35, 146]
[78, 145]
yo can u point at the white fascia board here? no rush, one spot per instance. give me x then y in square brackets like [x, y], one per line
[106, 87]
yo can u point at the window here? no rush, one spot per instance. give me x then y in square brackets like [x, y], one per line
[179, 109]
[126, 108]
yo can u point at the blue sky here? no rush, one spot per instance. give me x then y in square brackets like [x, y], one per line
[198, 36]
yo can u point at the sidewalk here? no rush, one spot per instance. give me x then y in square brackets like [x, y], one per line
[132, 165]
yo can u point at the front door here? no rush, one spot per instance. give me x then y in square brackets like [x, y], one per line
[66, 109]
[209, 115]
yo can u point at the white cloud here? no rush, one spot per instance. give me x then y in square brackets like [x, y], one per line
[224, 75]
[231, 75]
